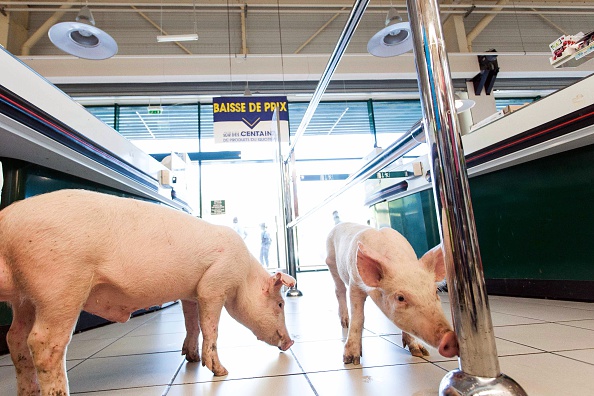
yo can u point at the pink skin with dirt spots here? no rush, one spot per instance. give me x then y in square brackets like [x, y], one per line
[382, 264]
[70, 250]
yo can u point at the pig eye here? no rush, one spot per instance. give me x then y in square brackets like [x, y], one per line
[280, 305]
[400, 298]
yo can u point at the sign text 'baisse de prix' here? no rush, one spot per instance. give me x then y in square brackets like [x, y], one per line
[249, 119]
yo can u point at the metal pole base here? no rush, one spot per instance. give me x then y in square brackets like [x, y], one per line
[293, 292]
[458, 383]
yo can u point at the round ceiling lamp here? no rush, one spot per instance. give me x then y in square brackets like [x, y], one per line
[393, 40]
[463, 104]
[81, 39]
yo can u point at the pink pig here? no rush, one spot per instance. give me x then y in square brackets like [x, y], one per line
[383, 265]
[70, 250]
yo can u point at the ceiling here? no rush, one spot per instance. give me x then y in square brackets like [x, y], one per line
[269, 45]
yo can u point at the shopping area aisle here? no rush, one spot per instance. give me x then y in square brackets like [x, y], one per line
[547, 346]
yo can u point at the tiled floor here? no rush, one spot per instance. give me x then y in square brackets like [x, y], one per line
[546, 346]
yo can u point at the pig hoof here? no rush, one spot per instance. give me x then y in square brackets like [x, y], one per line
[347, 359]
[221, 372]
[418, 351]
[192, 358]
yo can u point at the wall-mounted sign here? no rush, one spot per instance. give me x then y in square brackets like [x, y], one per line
[249, 119]
[217, 207]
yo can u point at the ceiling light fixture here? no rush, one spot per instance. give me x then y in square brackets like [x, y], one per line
[168, 38]
[177, 37]
[463, 104]
[394, 39]
[82, 38]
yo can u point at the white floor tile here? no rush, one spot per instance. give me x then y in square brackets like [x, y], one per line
[584, 324]
[141, 391]
[584, 355]
[421, 379]
[327, 355]
[546, 374]
[547, 346]
[289, 385]
[8, 377]
[144, 345]
[82, 349]
[243, 362]
[122, 372]
[548, 336]
[540, 311]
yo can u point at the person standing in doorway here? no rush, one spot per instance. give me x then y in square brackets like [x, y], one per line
[238, 228]
[265, 245]
[336, 217]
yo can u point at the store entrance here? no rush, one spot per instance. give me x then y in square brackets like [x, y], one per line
[245, 195]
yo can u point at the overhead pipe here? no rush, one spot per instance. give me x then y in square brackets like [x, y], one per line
[482, 24]
[479, 372]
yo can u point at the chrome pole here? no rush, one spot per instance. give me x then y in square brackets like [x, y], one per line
[290, 213]
[479, 372]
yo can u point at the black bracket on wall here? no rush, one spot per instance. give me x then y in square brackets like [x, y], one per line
[486, 77]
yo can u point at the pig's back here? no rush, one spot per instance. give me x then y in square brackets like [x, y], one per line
[114, 238]
[341, 246]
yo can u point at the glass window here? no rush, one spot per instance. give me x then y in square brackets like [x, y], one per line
[104, 113]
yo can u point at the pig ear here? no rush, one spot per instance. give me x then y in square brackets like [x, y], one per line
[433, 261]
[369, 266]
[277, 280]
[286, 279]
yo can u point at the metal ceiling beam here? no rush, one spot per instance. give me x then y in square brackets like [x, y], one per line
[482, 24]
[244, 49]
[43, 29]
[320, 30]
[343, 41]
[160, 29]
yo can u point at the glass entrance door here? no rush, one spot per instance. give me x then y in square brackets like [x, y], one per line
[244, 195]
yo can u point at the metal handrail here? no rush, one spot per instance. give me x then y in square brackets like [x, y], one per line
[411, 139]
[344, 39]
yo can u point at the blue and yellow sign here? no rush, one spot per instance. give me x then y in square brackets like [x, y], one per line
[249, 119]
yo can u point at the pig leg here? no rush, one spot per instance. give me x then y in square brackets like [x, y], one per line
[209, 310]
[190, 348]
[23, 316]
[341, 291]
[416, 348]
[47, 341]
[352, 348]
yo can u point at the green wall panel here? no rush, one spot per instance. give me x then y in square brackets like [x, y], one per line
[414, 217]
[535, 220]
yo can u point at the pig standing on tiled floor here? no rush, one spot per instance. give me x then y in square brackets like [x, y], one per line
[70, 250]
[382, 264]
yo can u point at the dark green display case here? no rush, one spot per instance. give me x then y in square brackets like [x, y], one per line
[534, 223]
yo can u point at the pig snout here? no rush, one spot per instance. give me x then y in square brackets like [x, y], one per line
[448, 347]
[285, 342]
[285, 345]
